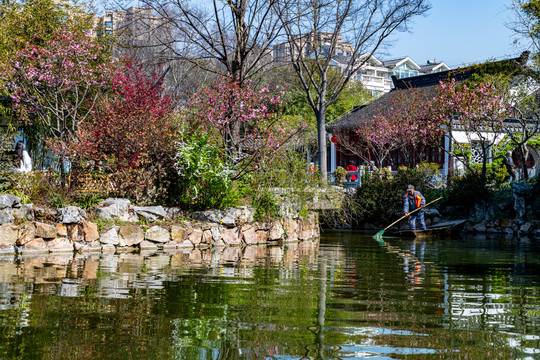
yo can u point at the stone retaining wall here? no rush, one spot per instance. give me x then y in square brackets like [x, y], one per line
[506, 227]
[38, 237]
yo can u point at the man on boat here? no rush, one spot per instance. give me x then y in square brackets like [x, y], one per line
[412, 201]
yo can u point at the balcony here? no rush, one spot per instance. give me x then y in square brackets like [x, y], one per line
[375, 81]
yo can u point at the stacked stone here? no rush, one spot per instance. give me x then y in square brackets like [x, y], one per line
[506, 227]
[73, 231]
[11, 209]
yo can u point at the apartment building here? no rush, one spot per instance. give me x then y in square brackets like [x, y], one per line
[374, 74]
[139, 32]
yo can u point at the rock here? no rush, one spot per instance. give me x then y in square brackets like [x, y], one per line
[480, 228]
[526, 227]
[61, 230]
[178, 233]
[87, 247]
[250, 235]
[90, 231]
[75, 232]
[77, 245]
[196, 237]
[157, 234]
[9, 234]
[242, 214]
[60, 245]
[6, 217]
[174, 212]
[276, 232]
[185, 244]
[8, 201]
[231, 237]
[228, 221]
[114, 208]
[108, 248]
[7, 250]
[216, 234]
[71, 215]
[110, 237]
[27, 234]
[230, 217]
[150, 213]
[520, 191]
[290, 228]
[206, 237]
[148, 245]
[508, 230]
[39, 212]
[214, 216]
[262, 236]
[36, 246]
[170, 246]
[430, 212]
[130, 235]
[45, 231]
[25, 212]
[125, 249]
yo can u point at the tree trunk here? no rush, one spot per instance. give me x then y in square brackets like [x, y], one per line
[524, 154]
[321, 131]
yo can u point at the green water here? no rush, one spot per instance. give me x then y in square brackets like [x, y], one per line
[347, 297]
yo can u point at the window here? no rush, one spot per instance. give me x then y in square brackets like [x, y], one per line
[108, 23]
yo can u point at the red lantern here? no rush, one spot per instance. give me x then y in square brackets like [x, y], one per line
[334, 139]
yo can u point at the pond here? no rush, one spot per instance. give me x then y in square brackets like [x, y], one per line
[345, 297]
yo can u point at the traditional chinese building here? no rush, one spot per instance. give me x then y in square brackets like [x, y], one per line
[427, 87]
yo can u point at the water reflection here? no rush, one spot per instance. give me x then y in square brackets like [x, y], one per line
[347, 297]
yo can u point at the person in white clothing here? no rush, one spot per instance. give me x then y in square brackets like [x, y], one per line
[22, 159]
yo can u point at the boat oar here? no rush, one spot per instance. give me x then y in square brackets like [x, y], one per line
[380, 233]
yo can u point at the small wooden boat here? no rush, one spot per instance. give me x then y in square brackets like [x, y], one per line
[443, 229]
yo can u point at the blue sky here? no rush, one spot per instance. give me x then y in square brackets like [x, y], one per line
[458, 32]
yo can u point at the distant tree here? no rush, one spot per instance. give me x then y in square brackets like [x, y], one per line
[526, 25]
[230, 38]
[314, 32]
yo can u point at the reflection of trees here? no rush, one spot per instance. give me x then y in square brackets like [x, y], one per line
[182, 306]
[252, 303]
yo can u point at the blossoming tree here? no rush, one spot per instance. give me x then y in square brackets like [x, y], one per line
[242, 121]
[56, 82]
[472, 112]
[131, 134]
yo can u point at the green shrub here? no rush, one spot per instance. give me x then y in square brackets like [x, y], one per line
[265, 204]
[340, 174]
[379, 202]
[495, 173]
[430, 171]
[467, 190]
[87, 201]
[287, 179]
[204, 179]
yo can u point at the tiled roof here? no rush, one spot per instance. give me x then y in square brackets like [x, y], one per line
[427, 84]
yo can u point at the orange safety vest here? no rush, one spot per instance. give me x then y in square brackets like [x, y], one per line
[417, 199]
